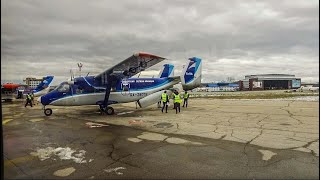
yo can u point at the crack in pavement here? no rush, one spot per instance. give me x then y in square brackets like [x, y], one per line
[258, 123]
[236, 137]
[244, 150]
[308, 144]
[290, 114]
[130, 154]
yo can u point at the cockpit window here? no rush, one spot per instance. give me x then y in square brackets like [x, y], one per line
[63, 88]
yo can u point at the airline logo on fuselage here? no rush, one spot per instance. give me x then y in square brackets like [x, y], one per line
[189, 73]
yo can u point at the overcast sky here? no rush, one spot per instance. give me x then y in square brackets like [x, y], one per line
[234, 38]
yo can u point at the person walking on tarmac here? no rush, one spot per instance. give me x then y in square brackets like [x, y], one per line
[28, 100]
[172, 97]
[32, 98]
[185, 99]
[177, 101]
[165, 101]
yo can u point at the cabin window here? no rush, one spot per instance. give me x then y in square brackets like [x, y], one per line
[79, 90]
[63, 88]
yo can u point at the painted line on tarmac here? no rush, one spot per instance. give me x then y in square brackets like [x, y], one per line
[13, 162]
[36, 120]
[6, 121]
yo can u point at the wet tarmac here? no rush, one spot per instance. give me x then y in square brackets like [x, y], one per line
[72, 144]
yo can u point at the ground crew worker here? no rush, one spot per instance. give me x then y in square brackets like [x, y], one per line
[172, 97]
[185, 99]
[28, 100]
[177, 101]
[32, 98]
[165, 101]
[159, 102]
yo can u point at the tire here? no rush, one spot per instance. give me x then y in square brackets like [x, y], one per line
[102, 109]
[109, 110]
[48, 112]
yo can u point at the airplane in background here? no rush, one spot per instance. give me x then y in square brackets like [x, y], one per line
[166, 71]
[10, 90]
[309, 88]
[42, 89]
[116, 85]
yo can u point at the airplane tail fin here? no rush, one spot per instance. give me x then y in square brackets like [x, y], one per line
[44, 85]
[166, 71]
[191, 74]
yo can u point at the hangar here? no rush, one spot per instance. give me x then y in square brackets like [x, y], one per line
[269, 81]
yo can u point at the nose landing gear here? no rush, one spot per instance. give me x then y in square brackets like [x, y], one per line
[47, 112]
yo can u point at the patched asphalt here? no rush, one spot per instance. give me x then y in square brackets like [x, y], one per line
[122, 152]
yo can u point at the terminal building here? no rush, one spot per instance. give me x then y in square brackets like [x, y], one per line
[269, 81]
[219, 87]
[33, 82]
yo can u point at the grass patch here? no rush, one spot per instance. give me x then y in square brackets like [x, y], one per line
[253, 95]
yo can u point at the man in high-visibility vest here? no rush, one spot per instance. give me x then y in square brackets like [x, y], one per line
[165, 101]
[28, 100]
[32, 98]
[177, 101]
[185, 99]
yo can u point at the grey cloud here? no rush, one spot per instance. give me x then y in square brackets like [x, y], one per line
[234, 38]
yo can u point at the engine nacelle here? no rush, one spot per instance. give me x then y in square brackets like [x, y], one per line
[151, 99]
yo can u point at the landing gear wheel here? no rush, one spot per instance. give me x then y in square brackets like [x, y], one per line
[102, 109]
[109, 110]
[48, 111]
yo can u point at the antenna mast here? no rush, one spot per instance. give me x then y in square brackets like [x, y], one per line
[80, 66]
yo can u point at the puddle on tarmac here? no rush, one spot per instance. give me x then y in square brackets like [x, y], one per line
[152, 136]
[163, 125]
[64, 172]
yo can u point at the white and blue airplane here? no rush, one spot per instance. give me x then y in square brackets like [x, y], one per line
[116, 85]
[43, 88]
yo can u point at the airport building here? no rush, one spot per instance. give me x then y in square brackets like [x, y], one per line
[269, 81]
[219, 87]
[33, 82]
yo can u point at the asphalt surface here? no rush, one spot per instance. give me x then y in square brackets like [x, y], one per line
[69, 147]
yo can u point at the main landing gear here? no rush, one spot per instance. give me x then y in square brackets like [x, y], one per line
[108, 110]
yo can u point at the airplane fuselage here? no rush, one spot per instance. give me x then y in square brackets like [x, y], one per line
[85, 91]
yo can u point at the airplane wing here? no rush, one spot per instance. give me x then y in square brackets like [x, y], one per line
[131, 66]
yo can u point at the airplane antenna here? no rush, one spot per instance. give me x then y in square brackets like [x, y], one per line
[139, 74]
[80, 66]
[71, 73]
[88, 74]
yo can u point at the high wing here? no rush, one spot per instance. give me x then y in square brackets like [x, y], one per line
[129, 67]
